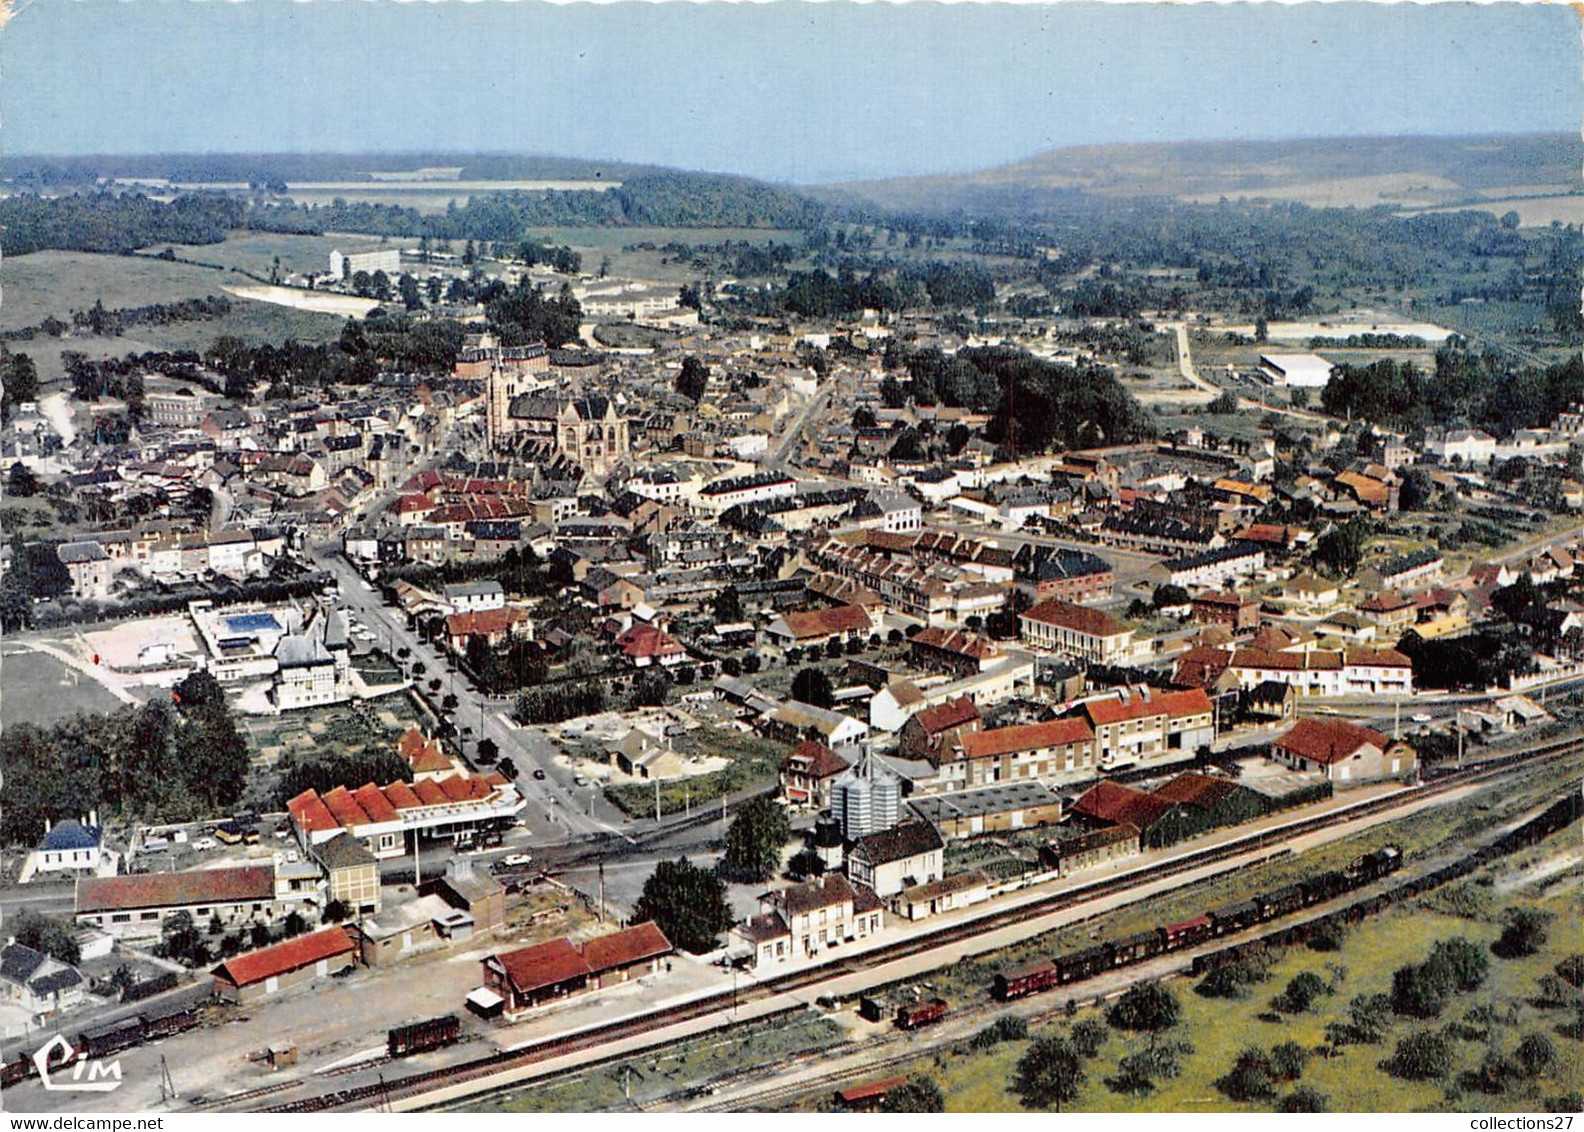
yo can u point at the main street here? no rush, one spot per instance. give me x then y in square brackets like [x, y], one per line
[558, 809]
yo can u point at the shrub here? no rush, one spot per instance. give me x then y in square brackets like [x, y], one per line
[1526, 933]
[1571, 970]
[917, 1094]
[1009, 1028]
[1088, 1036]
[1302, 990]
[1464, 961]
[1232, 980]
[1535, 1054]
[1049, 1074]
[1328, 935]
[1251, 1077]
[1288, 1060]
[1421, 990]
[1421, 1056]
[1147, 1007]
[1304, 1099]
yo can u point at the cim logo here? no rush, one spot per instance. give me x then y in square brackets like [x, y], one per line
[88, 1075]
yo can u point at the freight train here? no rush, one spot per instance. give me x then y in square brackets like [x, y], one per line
[95, 1042]
[416, 1037]
[1088, 962]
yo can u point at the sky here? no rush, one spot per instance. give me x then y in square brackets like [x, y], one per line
[787, 91]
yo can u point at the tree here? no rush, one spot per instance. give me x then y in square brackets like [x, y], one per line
[806, 863]
[407, 286]
[199, 690]
[335, 911]
[1421, 990]
[1421, 1056]
[726, 606]
[863, 417]
[1049, 1074]
[488, 751]
[754, 841]
[811, 686]
[687, 903]
[916, 1094]
[1224, 403]
[1526, 933]
[53, 937]
[21, 482]
[1261, 329]
[1147, 1007]
[692, 379]
[1168, 594]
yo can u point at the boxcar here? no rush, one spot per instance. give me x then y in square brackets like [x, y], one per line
[921, 1014]
[1140, 945]
[431, 1033]
[1323, 886]
[1185, 933]
[112, 1037]
[1024, 981]
[1234, 917]
[1281, 902]
[170, 1022]
[1083, 964]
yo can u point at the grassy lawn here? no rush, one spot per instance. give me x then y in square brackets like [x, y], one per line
[257, 251]
[1218, 1028]
[58, 283]
[40, 689]
[754, 759]
[656, 1075]
[1419, 833]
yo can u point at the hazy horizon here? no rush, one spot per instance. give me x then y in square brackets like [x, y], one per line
[788, 92]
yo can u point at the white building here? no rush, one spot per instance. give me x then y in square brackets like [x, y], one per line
[1301, 371]
[343, 266]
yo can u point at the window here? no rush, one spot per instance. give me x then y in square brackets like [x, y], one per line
[121, 918]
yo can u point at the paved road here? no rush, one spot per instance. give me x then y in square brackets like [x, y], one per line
[557, 809]
[794, 431]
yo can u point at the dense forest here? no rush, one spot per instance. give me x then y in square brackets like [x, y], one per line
[1053, 406]
[171, 759]
[107, 222]
[1469, 387]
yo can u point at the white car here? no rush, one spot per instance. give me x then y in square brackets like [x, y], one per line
[517, 860]
[1420, 717]
[204, 844]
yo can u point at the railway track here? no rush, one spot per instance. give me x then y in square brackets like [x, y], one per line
[417, 1084]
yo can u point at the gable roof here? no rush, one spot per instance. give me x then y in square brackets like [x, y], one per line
[1116, 804]
[163, 890]
[899, 843]
[543, 965]
[1327, 741]
[943, 717]
[282, 958]
[814, 759]
[1026, 737]
[807, 624]
[1173, 705]
[623, 948]
[1076, 618]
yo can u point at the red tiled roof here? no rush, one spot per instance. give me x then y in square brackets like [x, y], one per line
[245, 883]
[943, 717]
[1328, 741]
[1077, 618]
[814, 759]
[956, 641]
[623, 948]
[484, 622]
[1192, 789]
[1376, 658]
[345, 808]
[1117, 804]
[1286, 661]
[808, 624]
[411, 743]
[868, 1092]
[645, 640]
[374, 803]
[401, 796]
[429, 794]
[282, 958]
[1026, 737]
[543, 965]
[1175, 705]
[309, 813]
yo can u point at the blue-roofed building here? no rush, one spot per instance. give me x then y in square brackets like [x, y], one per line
[67, 847]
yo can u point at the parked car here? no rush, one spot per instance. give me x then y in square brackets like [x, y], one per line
[539, 773]
[517, 860]
[204, 844]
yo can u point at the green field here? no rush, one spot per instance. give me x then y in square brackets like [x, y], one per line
[58, 283]
[1218, 1029]
[257, 251]
[40, 689]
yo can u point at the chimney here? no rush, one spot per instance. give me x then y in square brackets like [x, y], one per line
[93, 818]
[1144, 692]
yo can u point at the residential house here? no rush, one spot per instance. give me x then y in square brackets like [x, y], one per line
[1346, 753]
[1076, 630]
[939, 728]
[893, 859]
[42, 986]
[807, 772]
